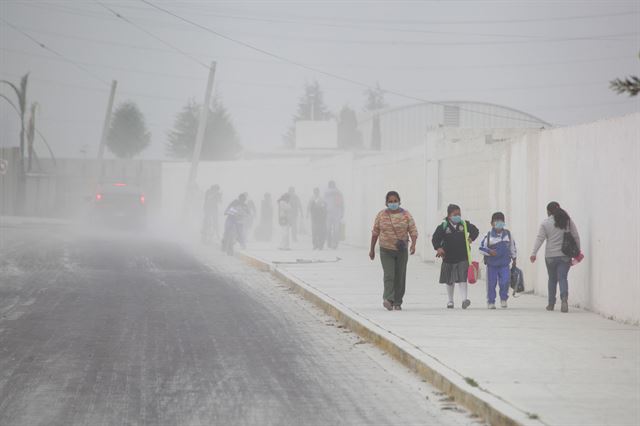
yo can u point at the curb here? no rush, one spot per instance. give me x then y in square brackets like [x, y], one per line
[481, 402]
[13, 221]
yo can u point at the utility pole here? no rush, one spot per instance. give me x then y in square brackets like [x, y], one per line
[105, 128]
[197, 149]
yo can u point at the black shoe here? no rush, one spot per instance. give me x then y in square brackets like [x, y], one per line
[550, 307]
[466, 303]
[397, 308]
[387, 304]
[450, 305]
[564, 307]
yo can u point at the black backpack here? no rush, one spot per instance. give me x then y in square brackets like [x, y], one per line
[569, 245]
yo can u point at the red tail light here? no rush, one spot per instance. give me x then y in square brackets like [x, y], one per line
[98, 197]
[142, 199]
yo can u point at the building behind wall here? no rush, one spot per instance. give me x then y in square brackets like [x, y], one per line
[404, 127]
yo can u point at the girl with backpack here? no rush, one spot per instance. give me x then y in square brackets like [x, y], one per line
[450, 241]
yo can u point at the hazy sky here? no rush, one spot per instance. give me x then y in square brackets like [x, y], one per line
[553, 59]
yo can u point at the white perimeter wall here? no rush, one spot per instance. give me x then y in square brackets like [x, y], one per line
[591, 170]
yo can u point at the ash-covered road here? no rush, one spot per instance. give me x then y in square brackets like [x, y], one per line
[134, 330]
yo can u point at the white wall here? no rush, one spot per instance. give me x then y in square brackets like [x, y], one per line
[591, 170]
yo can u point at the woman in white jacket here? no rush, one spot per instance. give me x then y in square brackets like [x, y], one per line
[552, 231]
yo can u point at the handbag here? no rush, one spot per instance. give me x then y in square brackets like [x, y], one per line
[473, 272]
[569, 245]
[401, 245]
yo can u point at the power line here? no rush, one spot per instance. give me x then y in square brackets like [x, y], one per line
[150, 34]
[343, 65]
[370, 28]
[44, 46]
[105, 66]
[319, 71]
[340, 89]
[438, 22]
[132, 93]
[527, 38]
[84, 13]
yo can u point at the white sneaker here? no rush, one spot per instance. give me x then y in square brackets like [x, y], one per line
[491, 305]
[503, 304]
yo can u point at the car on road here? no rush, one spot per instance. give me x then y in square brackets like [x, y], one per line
[120, 204]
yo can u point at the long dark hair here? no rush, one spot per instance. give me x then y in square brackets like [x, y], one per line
[561, 216]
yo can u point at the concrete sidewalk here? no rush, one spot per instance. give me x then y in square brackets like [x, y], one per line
[522, 365]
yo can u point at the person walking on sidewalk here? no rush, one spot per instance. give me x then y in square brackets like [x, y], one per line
[450, 245]
[317, 211]
[553, 231]
[264, 231]
[393, 226]
[335, 214]
[499, 250]
[284, 217]
[210, 225]
[295, 213]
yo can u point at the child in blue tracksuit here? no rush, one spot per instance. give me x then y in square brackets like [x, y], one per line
[499, 250]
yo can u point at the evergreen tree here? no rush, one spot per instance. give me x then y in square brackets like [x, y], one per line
[374, 103]
[630, 85]
[349, 137]
[310, 107]
[128, 135]
[375, 99]
[221, 141]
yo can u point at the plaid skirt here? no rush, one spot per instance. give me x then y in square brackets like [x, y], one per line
[454, 272]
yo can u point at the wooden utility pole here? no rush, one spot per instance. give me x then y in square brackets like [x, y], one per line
[105, 129]
[197, 149]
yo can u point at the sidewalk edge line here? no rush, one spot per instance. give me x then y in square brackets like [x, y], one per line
[470, 398]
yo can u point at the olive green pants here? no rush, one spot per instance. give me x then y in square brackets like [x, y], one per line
[394, 265]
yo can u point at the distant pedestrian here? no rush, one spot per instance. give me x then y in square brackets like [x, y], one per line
[450, 245]
[335, 214]
[236, 214]
[264, 231]
[295, 213]
[284, 217]
[317, 211]
[211, 212]
[251, 216]
[553, 230]
[499, 250]
[393, 227]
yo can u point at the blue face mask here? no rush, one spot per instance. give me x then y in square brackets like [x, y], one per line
[499, 225]
[393, 206]
[456, 219]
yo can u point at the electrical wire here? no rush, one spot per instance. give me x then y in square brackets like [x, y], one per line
[58, 54]
[152, 35]
[369, 28]
[323, 72]
[440, 22]
[527, 38]
[105, 66]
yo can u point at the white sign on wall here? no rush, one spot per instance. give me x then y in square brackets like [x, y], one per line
[316, 135]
